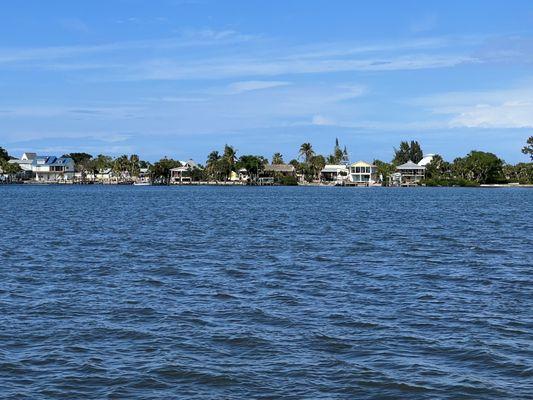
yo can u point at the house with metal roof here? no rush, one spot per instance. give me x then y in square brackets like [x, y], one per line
[408, 174]
[47, 168]
[362, 173]
[183, 174]
[334, 173]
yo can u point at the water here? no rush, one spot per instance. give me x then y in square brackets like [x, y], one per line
[293, 293]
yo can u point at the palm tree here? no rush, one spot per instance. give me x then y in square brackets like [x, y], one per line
[230, 154]
[134, 167]
[317, 165]
[306, 150]
[212, 164]
[213, 157]
[528, 148]
[277, 158]
[120, 165]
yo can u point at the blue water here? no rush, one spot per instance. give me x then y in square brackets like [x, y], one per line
[265, 292]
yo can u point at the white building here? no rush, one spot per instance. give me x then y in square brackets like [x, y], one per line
[363, 174]
[47, 168]
[408, 174]
[336, 173]
[426, 160]
[183, 174]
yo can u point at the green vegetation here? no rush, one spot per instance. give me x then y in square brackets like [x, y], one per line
[10, 170]
[449, 182]
[520, 173]
[287, 181]
[254, 165]
[407, 152]
[306, 151]
[160, 171]
[338, 156]
[4, 156]
[528, 148]
[277, 159]
[476, 168]
[385, 170]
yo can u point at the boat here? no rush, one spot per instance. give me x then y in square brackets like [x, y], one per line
[142, 184]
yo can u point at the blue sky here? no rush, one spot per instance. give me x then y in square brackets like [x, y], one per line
[180, 78]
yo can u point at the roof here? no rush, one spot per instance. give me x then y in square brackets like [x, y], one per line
[190, 163]
[52, 160]
[426, 160]
[279, 168]
[361, 163]
[334, 168]
[410, 165]
[182, 168]
[28, 156]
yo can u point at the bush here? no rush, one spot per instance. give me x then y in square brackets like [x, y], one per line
[449, 182]
[287, 181]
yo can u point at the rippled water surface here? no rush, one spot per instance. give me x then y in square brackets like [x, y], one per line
[239, 292]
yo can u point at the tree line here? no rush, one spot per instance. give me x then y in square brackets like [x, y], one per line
[477, 167]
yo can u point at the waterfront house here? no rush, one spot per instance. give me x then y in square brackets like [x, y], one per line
[25, 161]
[47, 168]
[144, 176]
[363, 174]
[239, 176]
[408, 174]
[183, 174]
[106, 175]
[334, 173]
[243, 175]
[276, 170]
[271, 172]
[180, 175]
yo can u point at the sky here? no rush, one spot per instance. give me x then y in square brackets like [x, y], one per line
[180, 78]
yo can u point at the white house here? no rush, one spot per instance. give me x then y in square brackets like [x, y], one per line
[183, 174]
[408, 174]
[363, 174]
[337, 173]
[25, 162]
[47, 168]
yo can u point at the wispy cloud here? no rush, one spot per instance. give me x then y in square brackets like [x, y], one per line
[248, 86]
[189, 39]
[504, 108]
[166, 69]
[58, 111]
[321, 120]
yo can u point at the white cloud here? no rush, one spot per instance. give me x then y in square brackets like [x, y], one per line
[248, 86]
[321, 120]
[166, 69]
[188, 39]
[509, 108]
[512, 114]
[58, 111]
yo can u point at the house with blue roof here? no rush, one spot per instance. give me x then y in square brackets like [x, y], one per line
[47, 168]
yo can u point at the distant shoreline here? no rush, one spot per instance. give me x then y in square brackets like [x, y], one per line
[237, 184]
